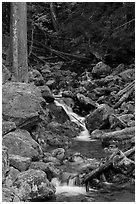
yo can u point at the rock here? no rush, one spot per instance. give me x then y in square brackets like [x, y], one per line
[69, 102]
[58, 113]
[36, 77]
[129, 119]
[20, 163]
[76, 157]
[98, 118]
[118, 69]
[51, 159]
[128, 75]
[9, 196]
[119, 135]
[49, 168]
[33, 185]
[96, 134]
[55, 140]
[21, 102]
[46, 93]
[69, 129]
[68, 94]
[59, 153]
[5, 163]
[128, 107]
[7, 126]
[21, 143]
[51, 83]
[86, 102]
[101, 69]
[11, 176]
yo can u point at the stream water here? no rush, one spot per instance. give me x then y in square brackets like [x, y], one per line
[68, 191]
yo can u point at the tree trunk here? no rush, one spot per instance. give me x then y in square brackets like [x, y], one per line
[18, 41]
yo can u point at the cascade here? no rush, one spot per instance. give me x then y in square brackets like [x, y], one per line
[79, 120]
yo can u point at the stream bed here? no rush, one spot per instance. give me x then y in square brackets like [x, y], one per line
[70, 193]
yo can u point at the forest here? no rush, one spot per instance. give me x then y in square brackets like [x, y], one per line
[68, 102]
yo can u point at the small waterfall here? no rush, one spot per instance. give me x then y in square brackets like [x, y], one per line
[79, 120]
[68, 188]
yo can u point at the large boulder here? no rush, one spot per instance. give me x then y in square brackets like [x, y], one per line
[98, 118]
[101, 69]
[21, 143]
[21, 102]
[33, 185]
[49, 168]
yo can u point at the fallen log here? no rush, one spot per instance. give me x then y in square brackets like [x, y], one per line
[126, 89]
[124, 97]
[119, 135]
[120, 122]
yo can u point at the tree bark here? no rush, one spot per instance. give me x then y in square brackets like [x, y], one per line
[18, 41]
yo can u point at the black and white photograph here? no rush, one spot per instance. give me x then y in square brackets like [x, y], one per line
[68, 101]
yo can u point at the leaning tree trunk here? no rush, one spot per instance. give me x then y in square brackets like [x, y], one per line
[18, 41]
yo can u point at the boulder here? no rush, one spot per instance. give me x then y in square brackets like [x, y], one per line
[5, 163]
[7, 126]
[9, 196]
[36, 77]
[21, 143]
[20, 163]
[86, 102]
[46, 93]
[128, 75]
[21, 102]
[57, 112]
[101, 69]
[59, 153]
[49, 168]
[98, 119]
[12, 175]
[33, 185]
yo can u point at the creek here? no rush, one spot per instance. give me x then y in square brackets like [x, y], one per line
[67, 190]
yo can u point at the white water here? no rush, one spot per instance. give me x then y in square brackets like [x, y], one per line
[79, 120]
[68, 189]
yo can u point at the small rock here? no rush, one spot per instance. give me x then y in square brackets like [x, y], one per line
[11, 176]
[59, 153]
[36, 77]
[46, 93]
[128, 75]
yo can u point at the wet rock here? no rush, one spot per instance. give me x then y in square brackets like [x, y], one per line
[46, 93]
[101, 69]
[36, 77]
[98, 118]
[51, 159]
[59, 153]
[7, 126]
[20, 163]
[128, 75]
[69, 102]
[33, 185]
[96, 134]
[76, 157]
[5, 163]
[21, 143]
[9, 196]
[58, 113]
[49, 168]
[21, 102]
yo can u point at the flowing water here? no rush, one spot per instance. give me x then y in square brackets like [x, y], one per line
[67, 191]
